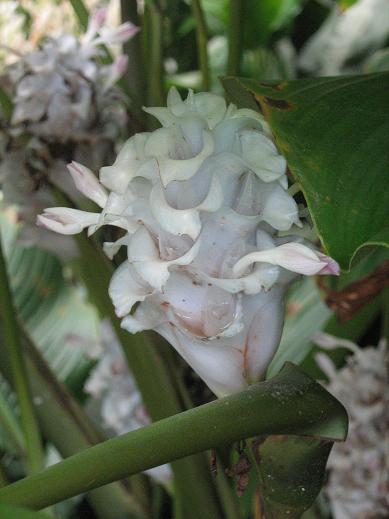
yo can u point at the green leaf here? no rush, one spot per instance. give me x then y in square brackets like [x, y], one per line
[291, 404]
[333, 132]
[56, 316]
[291, 474]
[12, 512]
[82, 12]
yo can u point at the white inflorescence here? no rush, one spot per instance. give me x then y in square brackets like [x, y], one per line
[65, 105]
[202, 202]
[345, 38]
[358, 486]
[60, 90]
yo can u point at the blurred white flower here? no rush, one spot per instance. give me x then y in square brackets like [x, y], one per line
[346, 35]
[113, 390]
[358, 486]
[65, 106]
[201, 202]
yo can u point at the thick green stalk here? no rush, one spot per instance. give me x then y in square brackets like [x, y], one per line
[12, 341]
[65, 424]
[235, 37]
[134, 75]
[291, 403]
[10, 426]
[154, 55]
[201, 36]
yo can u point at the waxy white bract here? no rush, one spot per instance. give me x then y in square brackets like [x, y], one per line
[201, 202]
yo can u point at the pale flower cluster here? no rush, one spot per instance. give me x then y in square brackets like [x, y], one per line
[358, 486]
[345, 38]
[65, 106]
[209, 228]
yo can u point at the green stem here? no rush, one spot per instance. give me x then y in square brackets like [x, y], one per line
[154, 55]
[66, 425]
[71, 431]
[81, 12]
[134, 75]
[10, 426]
[281, 405]
[11, 335]
[201, 36]
[235, 37]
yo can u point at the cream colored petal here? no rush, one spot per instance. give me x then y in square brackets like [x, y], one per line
[220, 366]
[125, 168]
[183, 169]
[144, 255]
[65, 220]
[184, 221]
[87, 183]
[125, 290]
[264, 333]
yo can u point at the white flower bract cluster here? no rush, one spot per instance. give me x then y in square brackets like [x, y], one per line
[60, 90]
[202, 201]
[65, 105]
[345, 38]
[358, 486]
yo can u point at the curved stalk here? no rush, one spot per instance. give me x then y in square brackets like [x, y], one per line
[291, 404]
[235, 37]
[201, 36]
[12, 340]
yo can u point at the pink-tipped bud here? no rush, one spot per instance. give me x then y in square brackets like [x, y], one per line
[65, 220]
[291, 256]
[87, 183]
[120, 34]
[331, 267]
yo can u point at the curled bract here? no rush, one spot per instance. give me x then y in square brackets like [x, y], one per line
[201, 202]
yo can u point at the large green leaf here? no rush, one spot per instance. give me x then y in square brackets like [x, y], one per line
[334, 134]
[290, 404]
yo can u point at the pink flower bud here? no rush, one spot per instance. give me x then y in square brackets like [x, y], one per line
[291, 256]
[65, 220]
[120, 34]
[87, 183]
